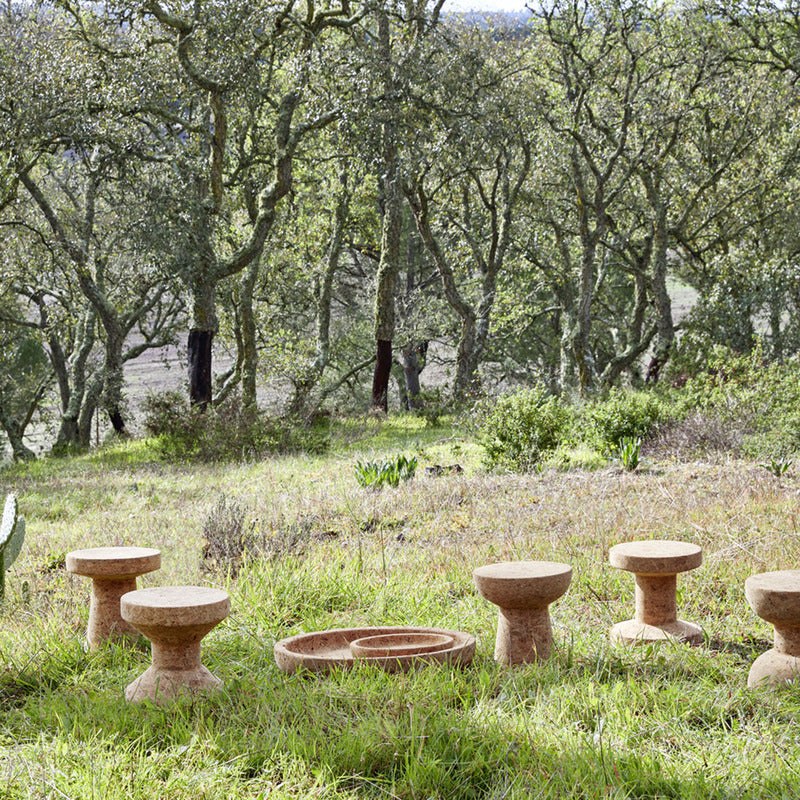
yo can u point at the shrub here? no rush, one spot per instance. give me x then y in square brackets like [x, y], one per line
[228, 538]
[624, 415]
[776, 435]
[757, 399]
[431, 405]
[698, 433]
[228, 432]
[519, 429]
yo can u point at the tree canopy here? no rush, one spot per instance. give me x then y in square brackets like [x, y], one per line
[342, 189]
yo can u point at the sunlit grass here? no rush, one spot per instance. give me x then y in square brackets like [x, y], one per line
[595, 721]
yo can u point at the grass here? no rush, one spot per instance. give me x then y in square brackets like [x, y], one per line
[595, 721]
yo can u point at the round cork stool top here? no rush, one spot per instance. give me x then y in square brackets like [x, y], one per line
[775, 597]
[523, 590]
[175, 619]
[656, 565]
[113, 571]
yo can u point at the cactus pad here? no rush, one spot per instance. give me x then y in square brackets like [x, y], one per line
[9, 520]
[14, 544]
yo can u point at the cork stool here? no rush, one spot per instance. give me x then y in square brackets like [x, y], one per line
[656, 565]
[523, 590]
[113, 571]
[174, 619]
[775, 597]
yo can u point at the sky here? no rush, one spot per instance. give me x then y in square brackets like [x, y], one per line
[485, 5]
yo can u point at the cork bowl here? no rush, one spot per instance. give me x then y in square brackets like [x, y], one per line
[323, 651]
[400, 644]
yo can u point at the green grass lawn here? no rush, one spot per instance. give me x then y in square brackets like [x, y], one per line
[595, 721]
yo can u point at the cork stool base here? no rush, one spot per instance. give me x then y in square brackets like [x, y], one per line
[113, 571]
[775, 597]
[656, 565]
[174, 619]
[523, 590]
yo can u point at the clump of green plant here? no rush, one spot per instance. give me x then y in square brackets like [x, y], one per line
[227, 432]
[229, 539]
[778, 466]
[12, 534]
[628, 453]
[624, 415]
[392, 472]
[519, 430]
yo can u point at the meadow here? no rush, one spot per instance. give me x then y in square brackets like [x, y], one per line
[596, 721]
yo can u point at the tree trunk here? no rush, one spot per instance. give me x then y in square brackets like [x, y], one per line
[776, 306]
[665, 337]
[409, 363]
[390, 232]
[324, 295]
[466, 362]
[69, 431]
[113, 379]
[411, 369]
[199, 351]
[248, 335]
[380, 377]
[581, 342]
[20, 451]
[399, 376]
[90, 405]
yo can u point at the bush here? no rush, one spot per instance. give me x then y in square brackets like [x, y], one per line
[519, 429]
[757, 399]
[229, 539]
[624, 415]
[699, 433]
[228, 432]
[431, 405]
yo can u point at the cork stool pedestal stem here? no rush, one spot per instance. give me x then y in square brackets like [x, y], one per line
[523, 590]
[523, 636]
[105, 621]
[775, 597]
[656, 565]
[113, 571]
[656, 599]
[175, 619]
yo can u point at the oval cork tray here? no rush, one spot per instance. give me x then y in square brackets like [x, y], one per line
[321, 651]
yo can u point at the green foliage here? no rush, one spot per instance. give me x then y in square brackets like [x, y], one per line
[624, 415]
[25, 374]
[377, 474]
[628, 453]
[12, 534]
[228, 432]
[758, 398]
[778, 466]
[519, 429]
[522, 431]
[431, 405]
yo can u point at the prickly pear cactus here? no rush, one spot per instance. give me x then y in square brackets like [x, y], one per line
[12, 534]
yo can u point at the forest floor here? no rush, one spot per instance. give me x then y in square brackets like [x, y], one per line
[595, 720]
